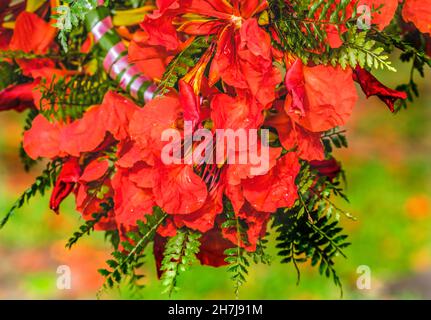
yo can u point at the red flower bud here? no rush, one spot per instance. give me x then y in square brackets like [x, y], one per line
[327, 168]
[372, 87]
[69, 175]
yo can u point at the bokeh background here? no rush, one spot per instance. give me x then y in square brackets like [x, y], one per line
[388, 166]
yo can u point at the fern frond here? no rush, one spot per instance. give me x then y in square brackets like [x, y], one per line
[69, 15]
[309, 231]
[182, 63]
[68, 98]
[179, 255]
[125, 263]
[43, 182]
[90, 224]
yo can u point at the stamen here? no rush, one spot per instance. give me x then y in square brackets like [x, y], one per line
[237, 21]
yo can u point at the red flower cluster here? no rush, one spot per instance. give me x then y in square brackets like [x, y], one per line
[240, 82]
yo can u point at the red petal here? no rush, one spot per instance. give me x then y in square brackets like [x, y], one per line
[237, 172]
[43, 139]
[372, 87]
[240, 112]
[190, 103]
[295, 83]
[275, 190]
[291, 135]
[148, 124]
[212, 8]
[164, 5]
[131, 203]
[87, 133]
[251, 7]
[203, 219]
[130, 153]
[151, 60]
[83, 135]
[255, 39]
[212, 248]
[161, 32]
[226, 61]
[418, 12]
[69, 175]
[178, 190]
[95, 170]
[329, 97]
[116, 113]
[142, 175]
[17, 97]
[385, 13]
[32, 34]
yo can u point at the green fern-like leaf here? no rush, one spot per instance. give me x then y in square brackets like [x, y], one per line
[182, 63]
[310, 231]
[43, 182]
[334, 138]
[180, 253]
[69, 15]
[358, 50]
[89, 225]
[236, 257]
[302, 24]
[126, 262]
[68, 98]
[237, 266]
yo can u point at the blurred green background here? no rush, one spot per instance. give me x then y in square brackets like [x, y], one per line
[389, 186]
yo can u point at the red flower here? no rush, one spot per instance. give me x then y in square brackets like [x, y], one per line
[275, 190]
[49, 133]
[177, 189]
[243, 57]
[94, 188]
[240, 112]
[323, 97]
[18, 97]
[327, 168]
[320, 98]
[382, 11]
[151, 60]
[212, 248]
[292, 135]
[419, 13]
[82, 135]
[131, 202]
[66, 181]
[32, 34]
[372, 87]
[244, 60]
